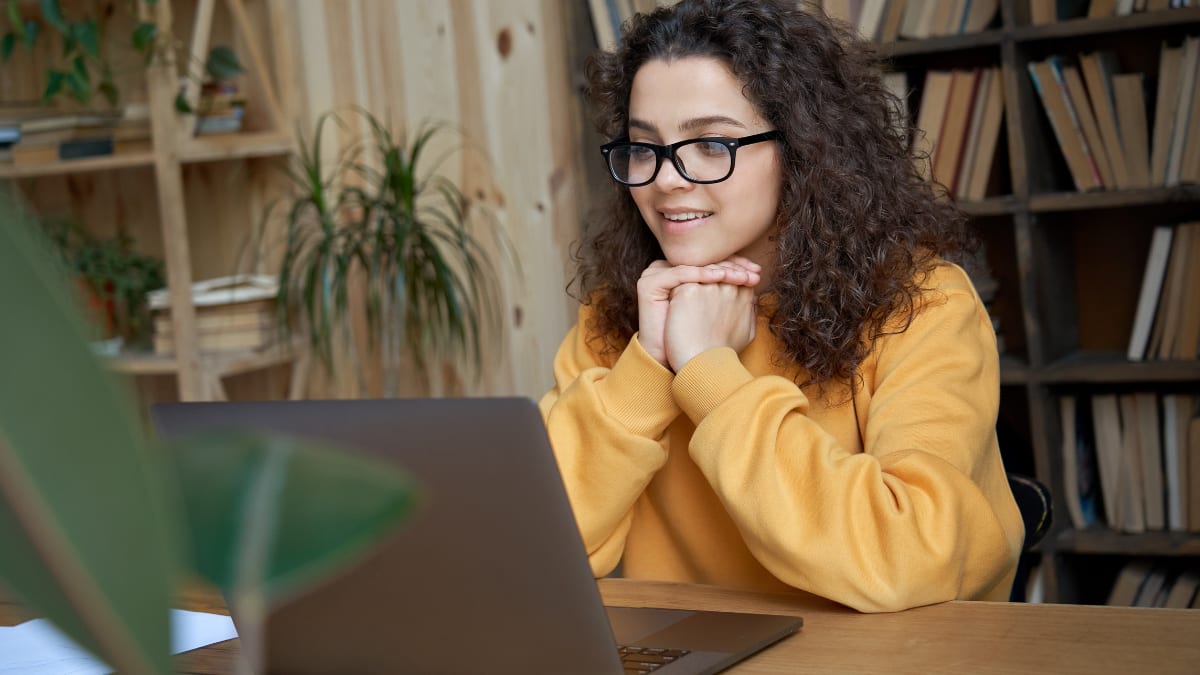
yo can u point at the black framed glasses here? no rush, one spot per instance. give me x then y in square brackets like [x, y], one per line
[699, 160]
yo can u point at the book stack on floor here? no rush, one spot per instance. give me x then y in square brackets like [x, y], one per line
[1100, 120]
[1142, 583]
[1131, 461]
[959, 121]
[1049, 11]
[235, 313]
[32, 136]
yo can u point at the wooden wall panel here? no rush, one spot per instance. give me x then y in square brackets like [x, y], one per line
[500, 72]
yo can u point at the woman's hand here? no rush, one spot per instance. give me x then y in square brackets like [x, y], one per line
[660, 279]
[706, 316]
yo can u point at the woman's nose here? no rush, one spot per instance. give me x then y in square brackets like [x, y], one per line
[669, 177]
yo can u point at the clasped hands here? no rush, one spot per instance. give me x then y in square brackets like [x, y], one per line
[685, 310]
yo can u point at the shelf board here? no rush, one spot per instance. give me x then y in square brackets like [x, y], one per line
[217, 147]
[69, 166]
[1114, 24]
[1113, 199]
[1105, 541]
[222, 363]
[942, 43]
[141, 363]
[992, 206]
[1013, 370]
[1113, 367]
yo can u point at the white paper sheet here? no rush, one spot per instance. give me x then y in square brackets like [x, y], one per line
[37, 647]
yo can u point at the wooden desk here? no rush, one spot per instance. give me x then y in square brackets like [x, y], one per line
[956, 637]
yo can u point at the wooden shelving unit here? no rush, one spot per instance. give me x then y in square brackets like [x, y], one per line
[171, 165]
[1061, 342]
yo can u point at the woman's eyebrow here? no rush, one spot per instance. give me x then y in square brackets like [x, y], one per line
[643, 125]
[709, 120]
[688, 125]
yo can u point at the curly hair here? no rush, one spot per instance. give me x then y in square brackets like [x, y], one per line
[859, 229]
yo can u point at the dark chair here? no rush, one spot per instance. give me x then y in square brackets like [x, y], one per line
[1033, 499]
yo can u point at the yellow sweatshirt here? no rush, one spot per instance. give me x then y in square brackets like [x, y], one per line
[727, 473]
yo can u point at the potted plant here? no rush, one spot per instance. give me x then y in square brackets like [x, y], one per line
[115, 279]
[383, 216]
[81, 488]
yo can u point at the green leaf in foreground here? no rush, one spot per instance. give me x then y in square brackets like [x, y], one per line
[312, 509]
[87, 531]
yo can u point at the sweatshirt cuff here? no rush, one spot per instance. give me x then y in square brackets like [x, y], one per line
[707, 381]
[637, 392]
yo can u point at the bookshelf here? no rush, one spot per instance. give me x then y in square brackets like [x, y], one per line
[192, 200]
[1069, 266]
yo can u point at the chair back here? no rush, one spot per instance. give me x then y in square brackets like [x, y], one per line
[1033, 499]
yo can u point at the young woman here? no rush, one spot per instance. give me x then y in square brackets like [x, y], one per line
[778, 377]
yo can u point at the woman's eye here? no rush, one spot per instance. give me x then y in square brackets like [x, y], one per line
[639, 153]
[712, 148]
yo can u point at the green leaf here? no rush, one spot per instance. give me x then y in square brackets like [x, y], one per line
[54, 84]
[312, 509]
[109, 90]
[108, 87]
[53, 13]
[86, 527]
[7, 43]
[181, 103]
[88, 36]
[144, 35]
[79, 81]
[14, 15]
[223, 64]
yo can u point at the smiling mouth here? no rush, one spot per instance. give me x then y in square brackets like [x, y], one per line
[685, 217]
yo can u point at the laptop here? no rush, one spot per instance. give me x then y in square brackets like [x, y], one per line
[488, 575]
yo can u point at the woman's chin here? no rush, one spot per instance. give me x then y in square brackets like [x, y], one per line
[690, 258]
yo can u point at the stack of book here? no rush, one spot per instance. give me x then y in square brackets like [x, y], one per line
[1049, 11]
[959, 124]
[1131, 461]
[221, 109]
[31, 136]
[1166, 324]
[889, 20]
[1100, 120]
[234, 313]
[1142, 583]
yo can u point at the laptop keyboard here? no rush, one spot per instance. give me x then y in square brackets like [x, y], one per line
[641, 660]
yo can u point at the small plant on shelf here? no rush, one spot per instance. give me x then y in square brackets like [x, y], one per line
[114, 279]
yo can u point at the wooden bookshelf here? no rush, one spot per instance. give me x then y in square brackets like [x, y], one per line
[72, 166]
[183, 200]
[1103, 541]
[1114, 199]
[1114, 368]
[1070, 263]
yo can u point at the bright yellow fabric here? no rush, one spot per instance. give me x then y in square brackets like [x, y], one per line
[728, 473]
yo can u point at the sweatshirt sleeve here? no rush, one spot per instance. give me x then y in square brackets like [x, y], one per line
[606, 425]
[917, 517]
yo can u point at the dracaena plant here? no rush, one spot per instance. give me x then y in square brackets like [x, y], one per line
[382, 216]
[81, 486]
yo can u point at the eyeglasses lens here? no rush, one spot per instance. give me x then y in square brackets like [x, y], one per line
[701, 161]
